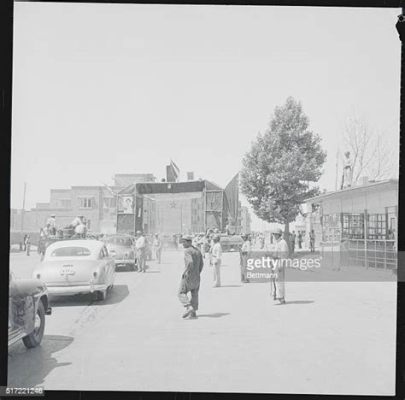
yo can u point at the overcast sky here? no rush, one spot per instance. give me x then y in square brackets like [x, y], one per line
[108, 88]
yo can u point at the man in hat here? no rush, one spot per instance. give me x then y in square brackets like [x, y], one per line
[140, 248]
[280, 256]
[216, 259]
[190, 279]
[244, 255]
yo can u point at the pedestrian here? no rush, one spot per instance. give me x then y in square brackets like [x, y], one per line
[299, 239]
[216, 259]
[312, 241]
[280, 255]
[157, 245]
[24, 240]
[140, 248]
[28, 244]
[51, 224]
[292, 242]
[245, 250]
[190, 278]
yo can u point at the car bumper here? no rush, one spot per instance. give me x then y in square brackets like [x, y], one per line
[72, 290]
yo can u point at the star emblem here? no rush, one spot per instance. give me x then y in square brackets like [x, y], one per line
[172, 204]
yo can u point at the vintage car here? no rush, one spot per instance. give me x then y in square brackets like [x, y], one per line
[28, 305]
[77, 267]
[122, 249]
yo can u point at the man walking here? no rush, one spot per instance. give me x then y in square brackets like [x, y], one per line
[140, 249]
[190, 279]
[280, 257]
[28, 244]
[216, 258]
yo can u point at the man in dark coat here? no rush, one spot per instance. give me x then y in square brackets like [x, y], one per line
[190, 279]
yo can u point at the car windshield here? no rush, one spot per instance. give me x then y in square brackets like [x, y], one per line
[71, 252]
[120, 241]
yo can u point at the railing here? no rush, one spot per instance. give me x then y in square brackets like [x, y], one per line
[370, 253]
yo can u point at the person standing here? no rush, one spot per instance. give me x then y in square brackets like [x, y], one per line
[157, 245]
[216, 259]
[140, 248]
[292, 242]
[312, 241]
[299, 239]
[190, 278]
[51, 224]
[245, 250]
[24, 241]
[28, 244]
[280, 256]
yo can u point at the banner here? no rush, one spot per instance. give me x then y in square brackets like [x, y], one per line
[231, 195]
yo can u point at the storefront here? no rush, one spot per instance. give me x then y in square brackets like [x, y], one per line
[357, 225]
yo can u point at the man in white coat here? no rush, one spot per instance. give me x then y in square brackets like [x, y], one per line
[280, 256]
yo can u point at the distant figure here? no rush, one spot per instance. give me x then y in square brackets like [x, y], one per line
[216, 259]
[281, 253]
[244, 255]
[292, 242]
[51, 225]
[24, 241]
[28, 244]
[347, 171]
[157, 246]
[312, 241]
[299, 239]
[140, 248]
[190, 278]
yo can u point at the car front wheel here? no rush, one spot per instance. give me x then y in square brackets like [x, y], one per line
[35, 337]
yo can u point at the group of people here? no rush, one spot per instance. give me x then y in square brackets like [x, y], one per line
[194, 263]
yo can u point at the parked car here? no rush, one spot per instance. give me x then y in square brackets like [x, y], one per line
[77, 267]
[122, 249]
[28, 305]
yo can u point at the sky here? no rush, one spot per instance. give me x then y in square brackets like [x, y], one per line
[100, 89]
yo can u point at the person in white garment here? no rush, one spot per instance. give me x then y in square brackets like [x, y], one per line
[280, 258]
[216, 259]
[140, 247]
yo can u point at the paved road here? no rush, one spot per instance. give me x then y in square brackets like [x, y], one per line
[330, 337]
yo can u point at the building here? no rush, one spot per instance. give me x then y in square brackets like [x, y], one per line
[359, 223]
[98, 204]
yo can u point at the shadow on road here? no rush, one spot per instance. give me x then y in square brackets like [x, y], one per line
[117, 294]
[30, 367]
[214, 315]
[300, 302]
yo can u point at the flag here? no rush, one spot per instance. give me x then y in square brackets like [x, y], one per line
[231, 195]
[175, 169]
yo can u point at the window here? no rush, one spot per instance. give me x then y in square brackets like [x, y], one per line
[353, 226]
[120, 241]
[86, 202]
[376, 226]
[71, 252]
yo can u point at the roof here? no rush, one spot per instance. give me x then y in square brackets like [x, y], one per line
[92, 245]
[353, 189]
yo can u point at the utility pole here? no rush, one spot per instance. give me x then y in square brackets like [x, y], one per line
[23, 208]
[337, 171]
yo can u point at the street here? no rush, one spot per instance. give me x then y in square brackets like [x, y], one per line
[330, 337]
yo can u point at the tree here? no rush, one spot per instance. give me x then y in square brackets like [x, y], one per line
[371, 153]
[280, 170]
